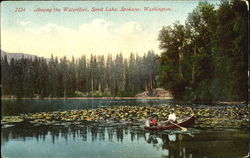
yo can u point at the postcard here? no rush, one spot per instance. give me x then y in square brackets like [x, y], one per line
[124, 79]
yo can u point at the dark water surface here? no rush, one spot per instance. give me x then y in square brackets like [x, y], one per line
[96, 140]
[110, 139]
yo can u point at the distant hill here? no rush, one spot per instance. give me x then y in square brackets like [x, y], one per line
[16, 55]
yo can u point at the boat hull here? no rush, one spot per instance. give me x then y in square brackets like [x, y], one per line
[190, 121]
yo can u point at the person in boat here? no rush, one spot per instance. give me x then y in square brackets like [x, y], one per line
[154, 122]
[147, 123]
[172, 116]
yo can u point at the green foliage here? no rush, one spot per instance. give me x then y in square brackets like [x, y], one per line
[205, 60]
[100, 94]
[78, 94]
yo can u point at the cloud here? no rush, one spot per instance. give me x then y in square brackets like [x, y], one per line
[130, 28]
[97, 37]
[50, 28]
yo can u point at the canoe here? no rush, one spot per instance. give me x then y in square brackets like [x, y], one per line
[184, 123]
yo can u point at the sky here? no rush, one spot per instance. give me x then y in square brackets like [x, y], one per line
[43, 27]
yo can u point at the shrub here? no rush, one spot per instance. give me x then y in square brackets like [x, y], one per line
[78, 94]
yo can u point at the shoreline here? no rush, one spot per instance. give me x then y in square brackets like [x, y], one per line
[84, 98]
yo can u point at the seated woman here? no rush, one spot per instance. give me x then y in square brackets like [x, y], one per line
[154, 122]
[147, 123]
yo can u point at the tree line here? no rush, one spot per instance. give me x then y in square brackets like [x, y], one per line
[205, 59]
[61, 77]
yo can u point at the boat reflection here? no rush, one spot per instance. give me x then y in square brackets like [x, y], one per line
[172, 137]
[170, 143]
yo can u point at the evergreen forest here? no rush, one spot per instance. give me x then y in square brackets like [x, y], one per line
[97, 76]
[205, 59]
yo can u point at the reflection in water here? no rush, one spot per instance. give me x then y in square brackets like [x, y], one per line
[172, 137]
[127, 141]
[169, 144]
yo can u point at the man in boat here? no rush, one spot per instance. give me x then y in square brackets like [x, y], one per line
[172, 116]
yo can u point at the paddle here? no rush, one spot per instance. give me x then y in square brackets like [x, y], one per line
[182, 128]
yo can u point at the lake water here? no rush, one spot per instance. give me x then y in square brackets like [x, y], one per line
[16, 107]
[110, 140]
[93, 140]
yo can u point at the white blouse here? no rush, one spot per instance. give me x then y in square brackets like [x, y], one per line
[172, 117]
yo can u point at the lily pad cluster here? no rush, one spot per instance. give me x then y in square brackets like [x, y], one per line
[205, 117]
[12, 119]
[227, 117]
